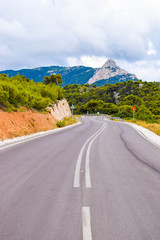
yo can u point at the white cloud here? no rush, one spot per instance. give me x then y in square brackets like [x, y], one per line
[88, 61]
[151, 50]
[46, 2]
[11, 29]
[61, 32]
[145, 70]
[5, 51]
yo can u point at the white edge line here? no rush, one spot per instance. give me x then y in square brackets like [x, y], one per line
[87, 169]
[142, 134]
[78, 165]
[86, 223]
[18, 140]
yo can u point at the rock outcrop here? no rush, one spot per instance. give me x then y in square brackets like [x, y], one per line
[110, 70]
[60, 110]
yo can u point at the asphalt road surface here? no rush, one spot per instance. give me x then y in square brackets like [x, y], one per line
[97, 181]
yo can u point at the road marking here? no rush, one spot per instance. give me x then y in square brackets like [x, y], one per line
[86, 223]
[141, 133]
[30, 137]
[87, 169]
[21, 141]
[78, 165]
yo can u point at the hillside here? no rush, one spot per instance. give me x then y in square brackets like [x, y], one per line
[15, 124]
[27, 107]
[70, 75]
[108, 73]
[20, 92]
[117, 99]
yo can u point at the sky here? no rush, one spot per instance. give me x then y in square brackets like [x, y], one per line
[35, 33]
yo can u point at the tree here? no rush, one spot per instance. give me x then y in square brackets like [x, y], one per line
[131, 100]
[144, 114]
[94, 106]
[46, 80]
[111, 108]
[125, 111]
[53, 78]
[59, 79]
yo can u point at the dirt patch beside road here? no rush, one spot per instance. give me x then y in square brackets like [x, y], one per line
[17, 124]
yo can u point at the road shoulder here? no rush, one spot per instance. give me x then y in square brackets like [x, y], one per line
[146, 133]
[11, 142]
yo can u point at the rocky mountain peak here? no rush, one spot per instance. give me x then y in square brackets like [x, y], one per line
[110, 70]
[110, 63]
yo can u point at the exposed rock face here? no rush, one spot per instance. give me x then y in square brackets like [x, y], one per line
[109, 70]
[61, 110]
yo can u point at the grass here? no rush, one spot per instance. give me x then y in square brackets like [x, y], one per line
[154, 127]
[71, 120]
[67, 121]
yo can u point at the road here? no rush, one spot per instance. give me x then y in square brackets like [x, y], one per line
[97, 181]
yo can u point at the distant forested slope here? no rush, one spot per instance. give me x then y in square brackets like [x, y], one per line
[117, 99]
[70, 75]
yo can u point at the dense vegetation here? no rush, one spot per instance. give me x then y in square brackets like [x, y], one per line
[117, 99]
[18, 91]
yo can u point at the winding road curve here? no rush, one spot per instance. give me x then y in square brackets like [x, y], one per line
[97, 181]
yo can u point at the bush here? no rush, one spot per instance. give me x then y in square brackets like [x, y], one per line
[60, 124]
[19, 91]
[125, 111]
[111, 108]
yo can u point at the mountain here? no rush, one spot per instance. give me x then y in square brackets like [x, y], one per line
[70, 75]
[109, 73]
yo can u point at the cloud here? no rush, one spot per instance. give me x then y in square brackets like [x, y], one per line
[145, 70]
[63, 32]
[151, 50]
[11, 30]
[5, 51]
[88, 61]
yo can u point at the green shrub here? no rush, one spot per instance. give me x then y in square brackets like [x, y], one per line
[111, 108]
[125, 111]
[19, 91]
[60, 124]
